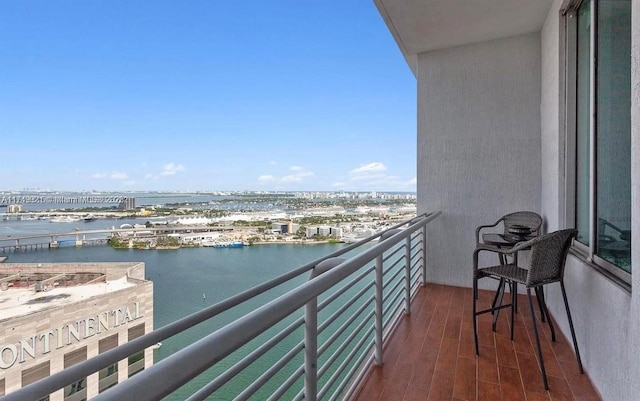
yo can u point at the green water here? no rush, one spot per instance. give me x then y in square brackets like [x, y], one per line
[182, 276]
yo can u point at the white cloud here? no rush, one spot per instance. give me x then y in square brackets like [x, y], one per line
[368, 177]
[116, 175]
[266, 178]
[129, 183]
[296, 177]
[299, 175]
[273, 162]
[171, 169]
[150, 177]
[374, 176]
[368, 168]
[339, 184]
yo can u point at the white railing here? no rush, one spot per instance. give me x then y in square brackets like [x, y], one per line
[324, 333]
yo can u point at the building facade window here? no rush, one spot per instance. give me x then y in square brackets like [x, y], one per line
[136, 361]
[76, 391]
[33, 374]
[601, 108]
[108, 377]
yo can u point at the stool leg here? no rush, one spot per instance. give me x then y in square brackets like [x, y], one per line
[573, 332]
[499, 296]
[512, 290]
[475, 316]
[495, 298]
[539, 298]
[545, 310]
[535, 330]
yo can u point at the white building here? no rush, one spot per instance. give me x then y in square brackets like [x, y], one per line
[511, 94]
[196, 238]
[324, 231]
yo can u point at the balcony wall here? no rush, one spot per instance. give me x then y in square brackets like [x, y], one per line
[478, 144]
[605, 315]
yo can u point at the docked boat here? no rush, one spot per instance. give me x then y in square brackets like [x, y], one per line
[89, 218]
[223, 244]
[64, 219]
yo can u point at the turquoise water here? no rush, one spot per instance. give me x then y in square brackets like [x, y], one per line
[182, 276]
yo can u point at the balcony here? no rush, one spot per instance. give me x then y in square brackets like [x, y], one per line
[363, 312]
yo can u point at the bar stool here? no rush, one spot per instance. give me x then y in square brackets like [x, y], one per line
[546, 266]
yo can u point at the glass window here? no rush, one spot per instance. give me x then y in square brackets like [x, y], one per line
[136, 361]
[108, 377]
[76, 391]
[613, 132]
[603, 132]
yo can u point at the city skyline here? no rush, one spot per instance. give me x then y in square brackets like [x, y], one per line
[284, 96]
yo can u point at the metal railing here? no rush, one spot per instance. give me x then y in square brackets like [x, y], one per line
[320, 336]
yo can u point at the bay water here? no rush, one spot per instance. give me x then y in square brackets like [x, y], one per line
[189, 279]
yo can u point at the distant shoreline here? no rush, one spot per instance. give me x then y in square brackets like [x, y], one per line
[173, 247]
[296, 242]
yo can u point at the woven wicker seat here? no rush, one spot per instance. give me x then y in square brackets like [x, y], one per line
[546, 266]
[508, 270]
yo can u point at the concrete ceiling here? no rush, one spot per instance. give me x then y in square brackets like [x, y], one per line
[424, 25]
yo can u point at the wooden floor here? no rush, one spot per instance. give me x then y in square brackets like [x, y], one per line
[431, 355]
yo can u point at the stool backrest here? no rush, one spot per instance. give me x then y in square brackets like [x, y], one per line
[529, 219]
[548, 257]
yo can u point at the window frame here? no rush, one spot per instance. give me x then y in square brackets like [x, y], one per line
[570, 30]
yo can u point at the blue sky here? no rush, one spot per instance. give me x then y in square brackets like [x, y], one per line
[203, 95]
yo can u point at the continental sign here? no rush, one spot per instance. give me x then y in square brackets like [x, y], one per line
[60, 337]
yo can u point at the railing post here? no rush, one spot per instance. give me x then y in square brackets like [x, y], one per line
[378, 301]
[311, 350]
[407, 276]
[424, 255]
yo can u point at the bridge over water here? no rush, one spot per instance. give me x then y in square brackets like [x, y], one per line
[86, 237]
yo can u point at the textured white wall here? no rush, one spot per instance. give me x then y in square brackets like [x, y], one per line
[478, 144]
[605, 316]
[601, 313]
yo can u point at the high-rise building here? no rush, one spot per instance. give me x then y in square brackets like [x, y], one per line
[127, 204]
[56, 315]
[14, 208]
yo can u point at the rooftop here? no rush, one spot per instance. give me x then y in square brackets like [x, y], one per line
[24, 300]
[59, 284]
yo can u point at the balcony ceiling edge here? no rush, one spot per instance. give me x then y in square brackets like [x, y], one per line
[424, 25]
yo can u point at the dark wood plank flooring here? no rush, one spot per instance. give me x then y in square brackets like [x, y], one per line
[431, 355]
